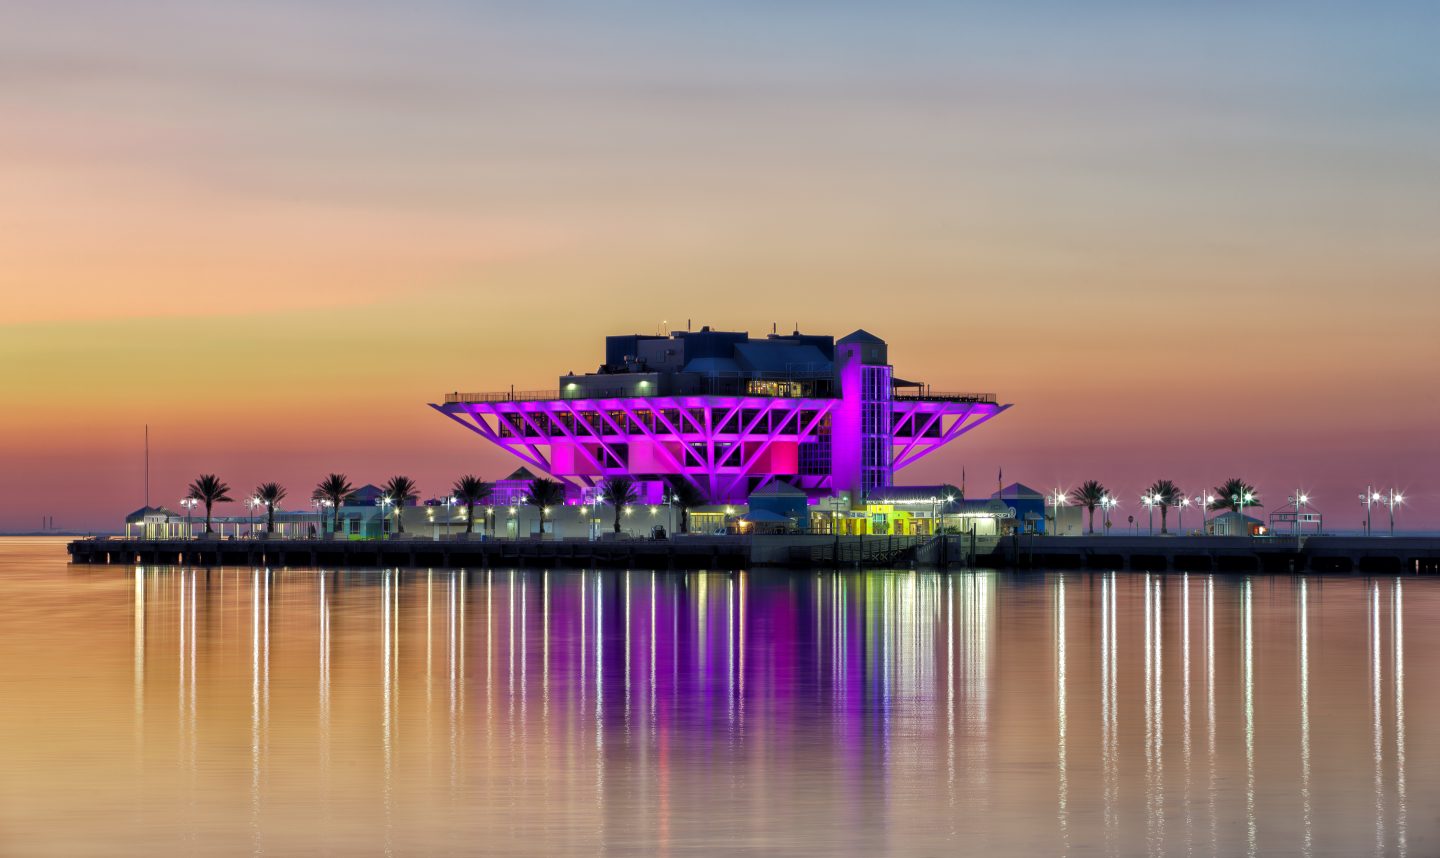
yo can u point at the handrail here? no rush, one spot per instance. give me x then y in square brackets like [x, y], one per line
[616, 393]
[925, 394]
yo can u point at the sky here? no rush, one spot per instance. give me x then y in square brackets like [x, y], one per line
[1185, 240]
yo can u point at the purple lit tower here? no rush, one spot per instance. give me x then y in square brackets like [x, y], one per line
[729, 414]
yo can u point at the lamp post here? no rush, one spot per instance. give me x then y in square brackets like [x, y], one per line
[381, 503]
[189, 504]
[1204, 500]
[252, 503]
[1241, 499]
[1056, 500]
[1180, 513]
[1299, 500]
[1391, 500]
[1149, 501]
[1370, 498]
[1107, 503]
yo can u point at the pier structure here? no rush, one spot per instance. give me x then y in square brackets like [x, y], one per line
[729, 414]
[1276, 555]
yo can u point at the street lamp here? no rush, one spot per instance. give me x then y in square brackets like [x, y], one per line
[189, 504]
[1205, 501]
[382, 502]
[1240, 499]
[1180, 513]
[1057, 499]
[1299, 500]
[1370, 498]
[253, 503]
[1391, 500]
[1150, 502]
[1107, 503]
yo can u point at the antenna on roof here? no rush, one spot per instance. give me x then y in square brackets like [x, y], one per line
[774, 327]
[687, 324]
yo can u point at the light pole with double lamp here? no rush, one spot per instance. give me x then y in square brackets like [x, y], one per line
[1391, 500]
[1107, 503]
[1150, 502]
[1241, 499]
[381, 503]
[189, 504]
[1204, 500]
[1180, 506]
[1057, 499]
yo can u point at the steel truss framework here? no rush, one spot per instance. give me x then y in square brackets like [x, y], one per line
[718, 444]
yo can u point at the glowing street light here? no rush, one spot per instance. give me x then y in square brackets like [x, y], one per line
[254, 503]
[1206, 502]
[1108, 503]
[1180, 506]
[1055, 500]
[189, 504]
[1370, 498]
[381, 503]
[1150, 502]
[1239, 500]
[1391, 500]
[1300, 501]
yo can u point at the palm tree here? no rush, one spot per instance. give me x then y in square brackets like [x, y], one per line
[684, 495]
[1166, 494]
[208, 489]
[1089, 495]
[401, 490]
[471, 490]
[618, 491]
[270, 494]
[335, 489]
[1235, 488]
[544, 494]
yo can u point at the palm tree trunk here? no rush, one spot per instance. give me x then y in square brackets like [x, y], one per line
[470, 519]
[1092, 519]
[207, 517]
[399, 517]
[1164, 512]
[335, 527]
[617, 518]
[270, 519]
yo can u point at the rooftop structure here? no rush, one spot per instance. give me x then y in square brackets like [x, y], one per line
[730, 414]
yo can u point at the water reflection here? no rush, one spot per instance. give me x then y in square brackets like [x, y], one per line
[854, 713]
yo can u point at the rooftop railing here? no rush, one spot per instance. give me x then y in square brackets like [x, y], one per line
[925, 394]
[922, 395]
[544, 395]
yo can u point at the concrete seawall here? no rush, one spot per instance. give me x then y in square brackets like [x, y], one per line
[1274, 554]
[1181, 554]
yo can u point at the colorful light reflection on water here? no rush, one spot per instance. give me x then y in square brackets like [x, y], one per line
[235, 711]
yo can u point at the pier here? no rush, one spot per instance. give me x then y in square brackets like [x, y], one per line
[1267, 554]
[1271, 554]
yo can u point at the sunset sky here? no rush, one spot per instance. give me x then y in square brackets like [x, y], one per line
[1186, 240]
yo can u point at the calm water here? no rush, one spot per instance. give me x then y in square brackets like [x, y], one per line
[235, 711]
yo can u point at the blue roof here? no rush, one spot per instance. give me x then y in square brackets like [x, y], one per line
[762, 356]
[711, 364]
[860, 336]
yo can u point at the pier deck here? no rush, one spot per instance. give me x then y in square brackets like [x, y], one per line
[1276, 554]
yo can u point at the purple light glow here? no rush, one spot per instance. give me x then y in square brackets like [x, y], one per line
[725, 446]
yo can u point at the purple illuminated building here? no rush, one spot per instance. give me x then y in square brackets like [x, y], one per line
[728, 413]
